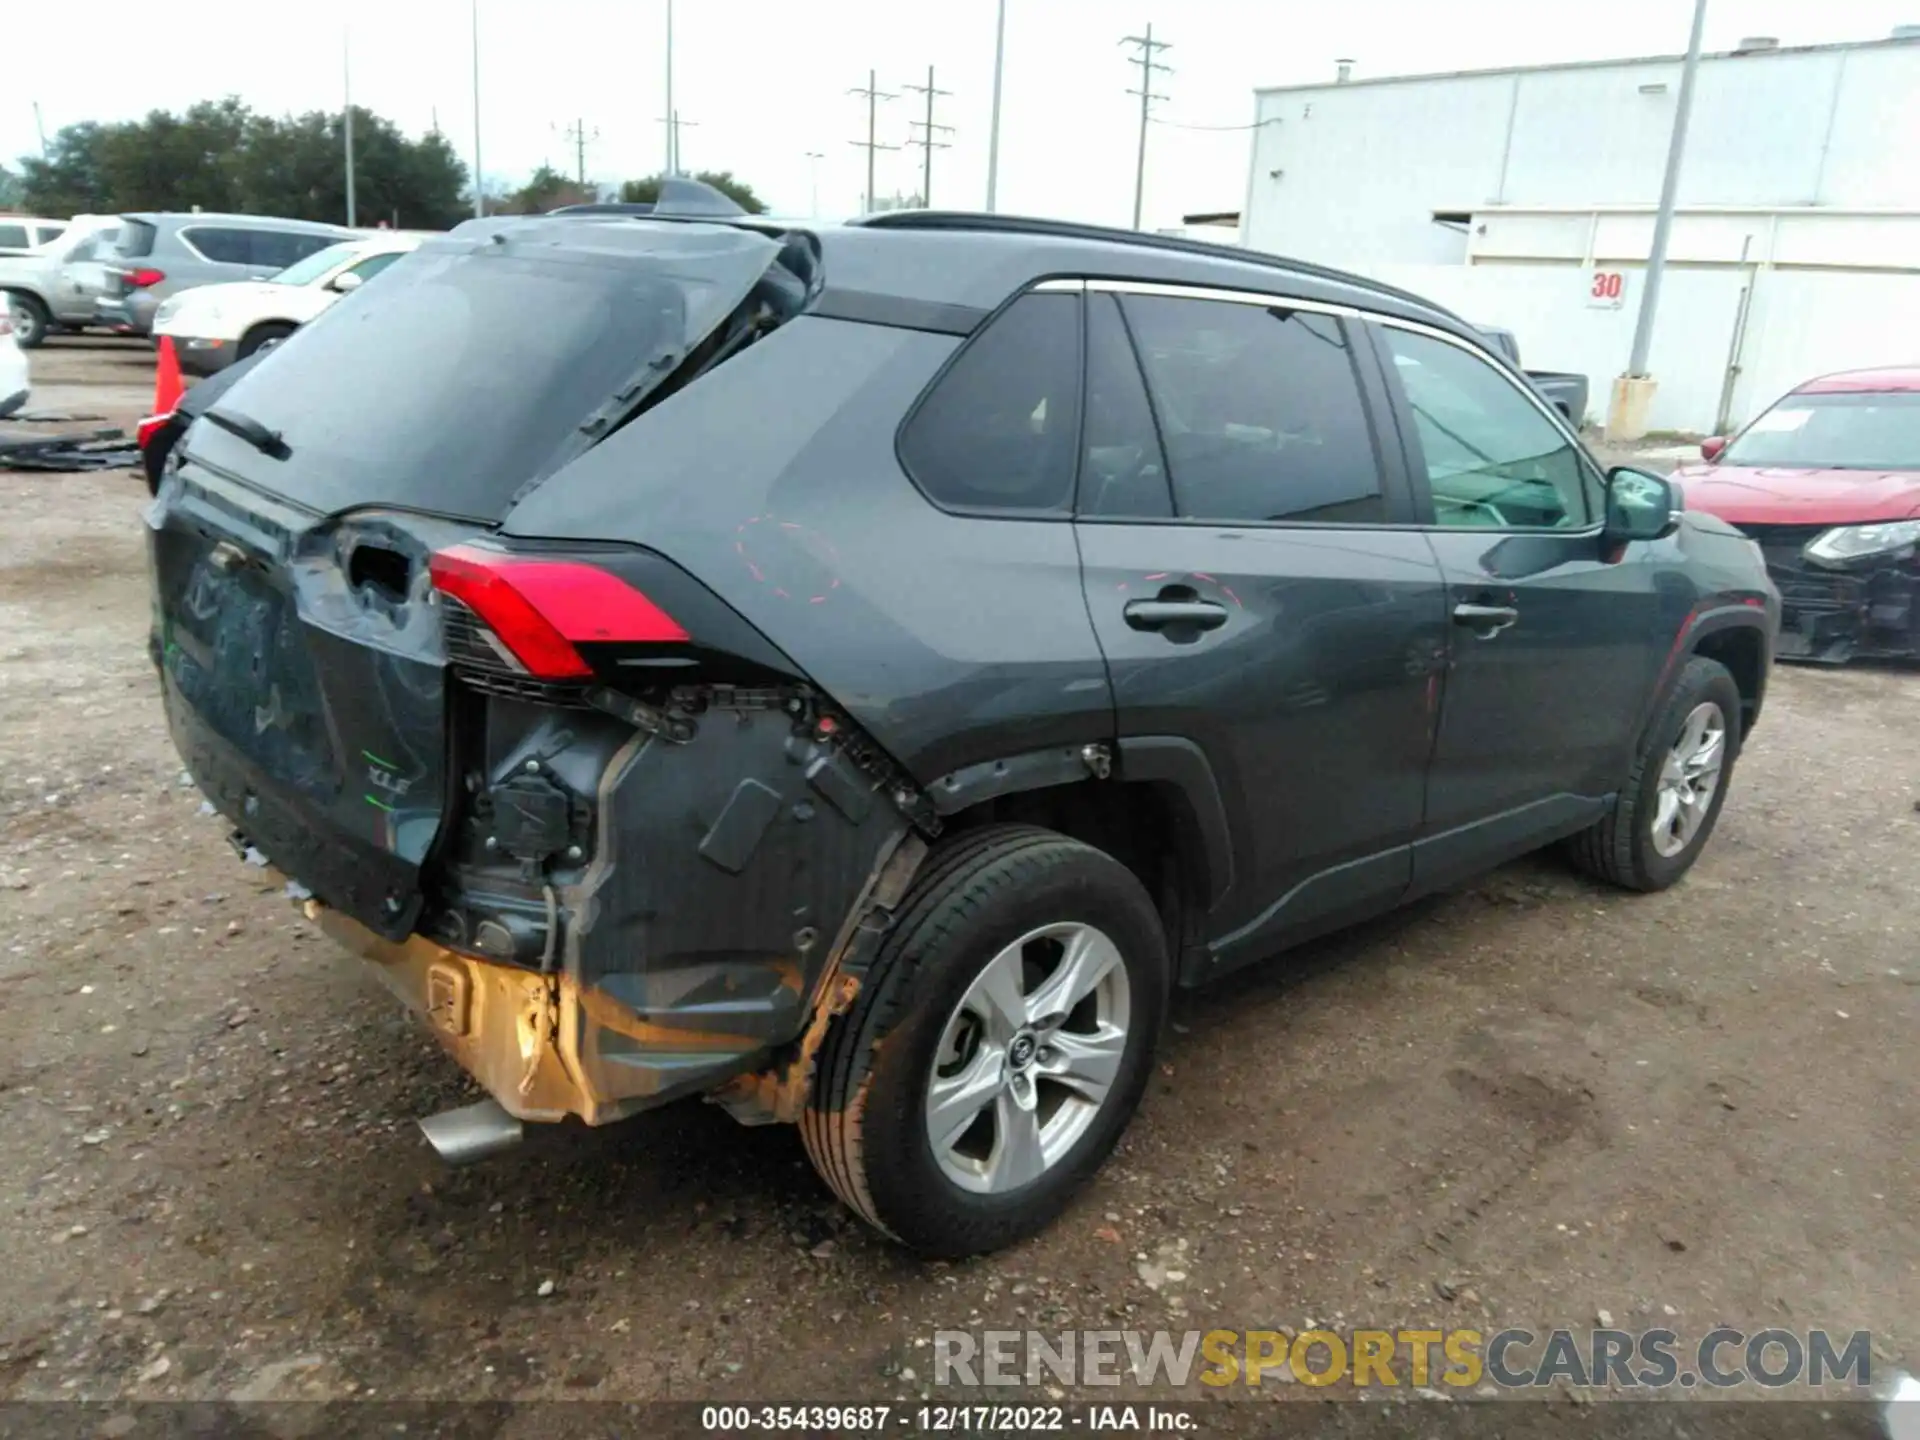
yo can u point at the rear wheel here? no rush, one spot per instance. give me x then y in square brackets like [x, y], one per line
[1663, 815]
[262, 337]
[998, 1047]
[30, 319]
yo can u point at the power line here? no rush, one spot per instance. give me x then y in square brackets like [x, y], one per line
[928, 142]
[1147, 48]
[871, 144]
[1178, 125]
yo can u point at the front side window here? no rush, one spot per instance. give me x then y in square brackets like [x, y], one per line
[1493, 461]
[1259, 411]
[1000, 428]
[319, 263]
[374, 264]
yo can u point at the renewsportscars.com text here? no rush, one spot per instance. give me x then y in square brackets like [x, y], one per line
[1723, 1358]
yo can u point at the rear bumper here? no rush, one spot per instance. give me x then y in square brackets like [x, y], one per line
[127, 314]
[203, 357]
[542, 1045]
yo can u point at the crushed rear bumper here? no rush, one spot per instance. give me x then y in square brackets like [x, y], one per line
[543, 1046]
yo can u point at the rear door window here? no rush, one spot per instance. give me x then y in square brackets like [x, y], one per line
[1000, 429]
[219, 244]
[1259, 410]
[14, 237]
[1493, 460]
[1123, 474]
[277, 249]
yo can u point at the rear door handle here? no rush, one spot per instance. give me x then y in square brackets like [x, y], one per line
[1161, 614]
[1486, 621]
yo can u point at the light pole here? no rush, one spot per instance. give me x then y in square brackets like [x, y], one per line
[673, 116]
[346, 91]
[814, 157]
[993, 127]
[1633, 391]
[479, 189]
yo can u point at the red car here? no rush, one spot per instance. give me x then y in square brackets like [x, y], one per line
[1827, 483]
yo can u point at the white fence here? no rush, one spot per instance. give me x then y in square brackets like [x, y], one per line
[1800, 323]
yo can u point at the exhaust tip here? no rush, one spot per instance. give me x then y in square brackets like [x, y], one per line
[472, 1133]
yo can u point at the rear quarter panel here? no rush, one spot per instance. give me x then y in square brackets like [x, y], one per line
[774, 481]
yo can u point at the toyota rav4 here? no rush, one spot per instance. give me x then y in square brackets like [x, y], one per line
[853, 672]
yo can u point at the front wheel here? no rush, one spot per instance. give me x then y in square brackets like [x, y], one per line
[262, 337]
[998, 1047]
[1664, 814]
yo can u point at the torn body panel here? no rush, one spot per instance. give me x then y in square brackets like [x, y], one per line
[1828, 615]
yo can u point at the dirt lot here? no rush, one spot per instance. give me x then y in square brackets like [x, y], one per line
[1522, 1104]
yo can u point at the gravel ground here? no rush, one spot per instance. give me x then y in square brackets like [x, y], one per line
[1525, 1103]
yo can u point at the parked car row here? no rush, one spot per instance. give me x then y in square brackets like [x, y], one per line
[115, 271]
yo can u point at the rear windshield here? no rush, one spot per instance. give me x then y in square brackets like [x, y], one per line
[473, 368]
[1872, 430]
[136, 238]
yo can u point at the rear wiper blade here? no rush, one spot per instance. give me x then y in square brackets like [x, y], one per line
[267, 442]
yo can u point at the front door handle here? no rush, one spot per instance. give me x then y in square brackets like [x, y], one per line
[1163, 614]
[1486, 621]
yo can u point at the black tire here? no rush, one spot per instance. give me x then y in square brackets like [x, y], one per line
[262, 337]
[30, 319]
[865, 1127]
[1620, 849]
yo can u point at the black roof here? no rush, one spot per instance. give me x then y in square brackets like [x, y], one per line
[951, 264]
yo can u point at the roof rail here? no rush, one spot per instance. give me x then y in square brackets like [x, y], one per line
[1107, 234]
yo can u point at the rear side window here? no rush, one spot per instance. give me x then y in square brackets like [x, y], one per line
[136, 238]
[1000, 428]
[228, 247]
[1259, 410]
[14, 237]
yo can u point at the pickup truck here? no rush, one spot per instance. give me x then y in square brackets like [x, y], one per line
[1565, 392]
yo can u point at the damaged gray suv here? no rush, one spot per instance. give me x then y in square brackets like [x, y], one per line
[852, 673]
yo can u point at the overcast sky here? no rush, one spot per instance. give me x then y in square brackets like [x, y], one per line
[765, 81]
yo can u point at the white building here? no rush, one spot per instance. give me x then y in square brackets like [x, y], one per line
[1513, 196]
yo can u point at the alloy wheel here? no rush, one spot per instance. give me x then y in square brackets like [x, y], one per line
[1028, 1058]
[1689, 776]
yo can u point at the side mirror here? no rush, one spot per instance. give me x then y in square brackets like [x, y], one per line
[347, 283]
[1712, 447]
[1640, 505]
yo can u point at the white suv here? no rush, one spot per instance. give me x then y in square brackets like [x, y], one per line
[13, 367]
[214, 325]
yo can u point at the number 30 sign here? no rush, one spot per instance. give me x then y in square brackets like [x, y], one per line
[1607, 289]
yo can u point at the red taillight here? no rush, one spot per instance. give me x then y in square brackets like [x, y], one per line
[540, 608]
[146, 275]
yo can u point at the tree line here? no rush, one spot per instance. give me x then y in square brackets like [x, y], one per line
[222, 155]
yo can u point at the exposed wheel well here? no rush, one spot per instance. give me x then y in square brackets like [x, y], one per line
[1740, 649]
[1134, 822]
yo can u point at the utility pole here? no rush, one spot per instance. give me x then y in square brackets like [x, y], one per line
[578, 136]
[814, 157]
[927, 141]
[1633, 391]
[993, 129]
[871, 144]
[675, 125]
[479, 187]
[40, 128]
[673, 115]
[1148, 47]
[346, 88]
